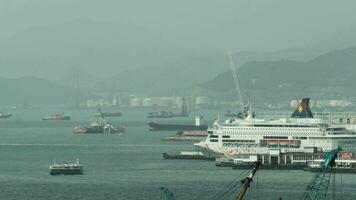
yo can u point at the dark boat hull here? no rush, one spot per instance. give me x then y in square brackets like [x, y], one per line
[5, 116]
[336, 170]
[66, 171]
[98, 130]
[113, 114]
[271, 166]
[186, 157]
[175, 127]
[180, 115]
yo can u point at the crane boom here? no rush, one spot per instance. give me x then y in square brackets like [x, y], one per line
[247, 181]
[236, 81]
[317, 189]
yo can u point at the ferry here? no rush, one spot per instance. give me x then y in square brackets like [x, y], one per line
[66, 169]
[292, 140]
[5, 115]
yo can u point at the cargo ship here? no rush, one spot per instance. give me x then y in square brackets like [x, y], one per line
[66, 169]
[58, 117]
[199, 125]
[5, 115]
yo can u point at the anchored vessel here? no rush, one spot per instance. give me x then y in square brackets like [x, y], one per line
[58, 117]
[102, 127]
[66, 169]
[199, 125]
[5, 115]
[285, 141]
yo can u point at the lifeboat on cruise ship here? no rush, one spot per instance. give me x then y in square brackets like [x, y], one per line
[284, 143]
[272, 142]
[295, 143]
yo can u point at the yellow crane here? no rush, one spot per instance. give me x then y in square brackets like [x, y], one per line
[247, 181]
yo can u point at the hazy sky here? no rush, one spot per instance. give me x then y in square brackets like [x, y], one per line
[46, 38]
[203, 24]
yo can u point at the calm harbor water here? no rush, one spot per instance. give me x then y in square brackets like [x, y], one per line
[128, 166]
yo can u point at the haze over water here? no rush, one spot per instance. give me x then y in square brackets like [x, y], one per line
[140, 56]
[129, 166]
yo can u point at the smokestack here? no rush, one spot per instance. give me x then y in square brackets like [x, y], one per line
[303, 109]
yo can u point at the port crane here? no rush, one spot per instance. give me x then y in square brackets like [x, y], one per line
[226, 193]
[318, 187]
[236, 80]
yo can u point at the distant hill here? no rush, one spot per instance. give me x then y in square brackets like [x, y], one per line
[330, 75]
[34, 91]
[180, 76]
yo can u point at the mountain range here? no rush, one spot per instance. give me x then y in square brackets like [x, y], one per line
[329, 76]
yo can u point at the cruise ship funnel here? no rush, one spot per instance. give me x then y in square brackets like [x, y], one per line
[303, 109]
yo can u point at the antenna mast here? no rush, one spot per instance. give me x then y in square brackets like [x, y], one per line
[236, 81]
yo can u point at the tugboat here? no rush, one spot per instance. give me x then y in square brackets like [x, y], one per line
[57, 117]
[102, 127]
[5, 115]
[66, 169]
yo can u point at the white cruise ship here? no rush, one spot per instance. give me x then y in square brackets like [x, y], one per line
[300, 137]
